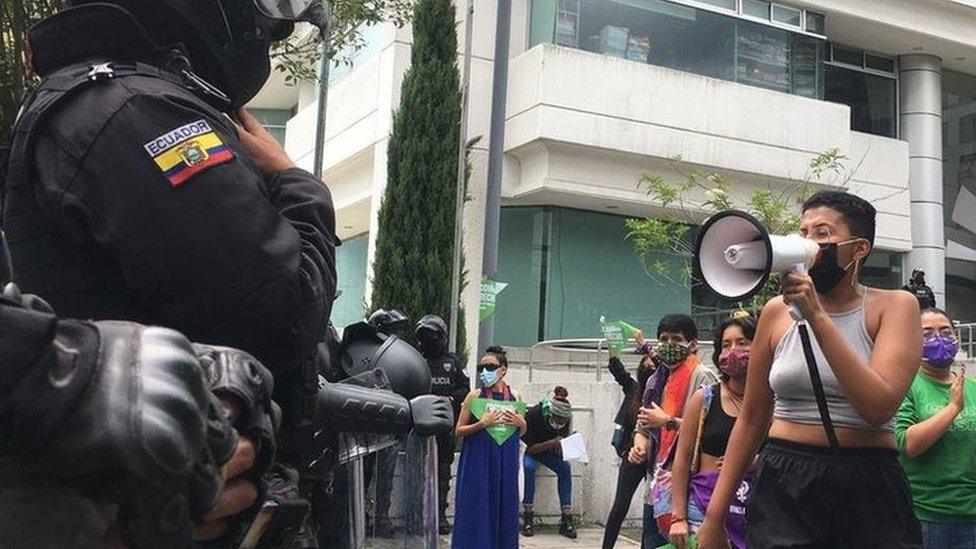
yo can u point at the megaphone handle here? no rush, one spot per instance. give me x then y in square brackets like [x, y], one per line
[795, 312]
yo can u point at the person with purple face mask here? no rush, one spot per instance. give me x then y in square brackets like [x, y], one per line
[705, 433]
[936, 433]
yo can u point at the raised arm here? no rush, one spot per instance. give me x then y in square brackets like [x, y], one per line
[916, 437]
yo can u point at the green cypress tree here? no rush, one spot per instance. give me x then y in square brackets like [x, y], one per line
[414, 244]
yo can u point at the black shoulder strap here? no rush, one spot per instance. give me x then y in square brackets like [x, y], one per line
[817, 385]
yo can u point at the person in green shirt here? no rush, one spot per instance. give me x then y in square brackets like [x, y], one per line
[936, 433]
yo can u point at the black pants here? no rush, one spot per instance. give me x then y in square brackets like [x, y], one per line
[812, 497]
[445, 457]
[629, 477]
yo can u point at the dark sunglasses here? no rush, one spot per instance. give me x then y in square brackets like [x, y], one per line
[490, 366]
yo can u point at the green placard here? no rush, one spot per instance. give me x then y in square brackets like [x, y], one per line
[500, 432]
[692, 544]
[489, 291]
[616, 334]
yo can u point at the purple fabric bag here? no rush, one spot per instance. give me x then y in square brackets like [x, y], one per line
[701, 487]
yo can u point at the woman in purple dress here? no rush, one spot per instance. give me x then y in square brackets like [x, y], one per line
[486, 498]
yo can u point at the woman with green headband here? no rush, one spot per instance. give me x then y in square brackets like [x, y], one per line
[548, 422]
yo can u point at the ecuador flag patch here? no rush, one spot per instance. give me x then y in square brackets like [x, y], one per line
[186, 151]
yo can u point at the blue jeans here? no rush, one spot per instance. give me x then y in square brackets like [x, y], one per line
[564, 478]
[940, 535]
[650, 537]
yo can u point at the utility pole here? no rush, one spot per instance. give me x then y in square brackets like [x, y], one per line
[323, 98]
[461, 180]
[496, 151]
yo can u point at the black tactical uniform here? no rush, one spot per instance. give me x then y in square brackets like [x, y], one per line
[130, 197]
[448, 379]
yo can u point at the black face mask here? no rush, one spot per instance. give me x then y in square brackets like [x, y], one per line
[826, 273]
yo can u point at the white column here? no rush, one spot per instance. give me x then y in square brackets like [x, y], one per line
[920, 99]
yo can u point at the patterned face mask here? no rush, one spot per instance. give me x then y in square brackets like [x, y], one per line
[672, 353]
[734, 361]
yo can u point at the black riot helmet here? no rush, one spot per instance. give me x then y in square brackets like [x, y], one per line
[364, 349]
[432, 336]
[228, 41]
[388, 321]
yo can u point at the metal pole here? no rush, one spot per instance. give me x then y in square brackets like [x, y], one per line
[323, 99]
[461, 187]
[357, 504]
[496, 151]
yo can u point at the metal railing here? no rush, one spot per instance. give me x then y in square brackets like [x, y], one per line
[583, 346]
[967, 338]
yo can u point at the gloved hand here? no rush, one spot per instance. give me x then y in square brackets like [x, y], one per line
[117, 408]
[236, 375]
[432, 415]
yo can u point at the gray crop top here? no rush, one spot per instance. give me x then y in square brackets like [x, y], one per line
[790, 380]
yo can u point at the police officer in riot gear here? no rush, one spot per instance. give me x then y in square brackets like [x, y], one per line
[136, 188]
[389, 321]
[109, 430]
[449, 381]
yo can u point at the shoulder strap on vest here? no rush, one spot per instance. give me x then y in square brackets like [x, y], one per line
[56, 88]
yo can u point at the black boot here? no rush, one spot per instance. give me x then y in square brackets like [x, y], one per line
[566, 527]
[528, 529]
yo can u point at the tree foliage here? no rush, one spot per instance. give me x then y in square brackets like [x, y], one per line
[16, 16]
[298, 58]
[689, 196]
[414, 244]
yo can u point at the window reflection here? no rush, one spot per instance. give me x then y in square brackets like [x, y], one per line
[671, 35]
[870, 97]
[959, 192]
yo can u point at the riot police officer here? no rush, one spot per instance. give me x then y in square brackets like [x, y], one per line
[448, 380]
[138, 189]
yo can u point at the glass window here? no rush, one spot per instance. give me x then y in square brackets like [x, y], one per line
[961, 286]
[959, 191]
[967, 128]
[882, 270]
[523, 245]
[879, 63]
[727, 4]
[668, 34]
[870, 97]
[816, 22]
[844, 54]
[274, 121]
[351, 269]
[786, 15]
[566, 268]
[756, 8]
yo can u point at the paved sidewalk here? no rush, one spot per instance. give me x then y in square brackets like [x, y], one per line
[549, 538]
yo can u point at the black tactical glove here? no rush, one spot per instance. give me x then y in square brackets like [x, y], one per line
[119, 409]
[432, 415]
[235, 374]
[348, 408]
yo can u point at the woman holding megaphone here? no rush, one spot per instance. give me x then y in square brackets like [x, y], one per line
[828, 475]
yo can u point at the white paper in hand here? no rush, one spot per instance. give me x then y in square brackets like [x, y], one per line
[574, 448]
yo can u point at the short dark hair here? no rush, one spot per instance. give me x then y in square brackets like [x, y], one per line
[499, 353]
[678, 323]
[938, 311]
[745, 323]
[859, 215]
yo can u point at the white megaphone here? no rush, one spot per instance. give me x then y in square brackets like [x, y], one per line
[735, 254]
